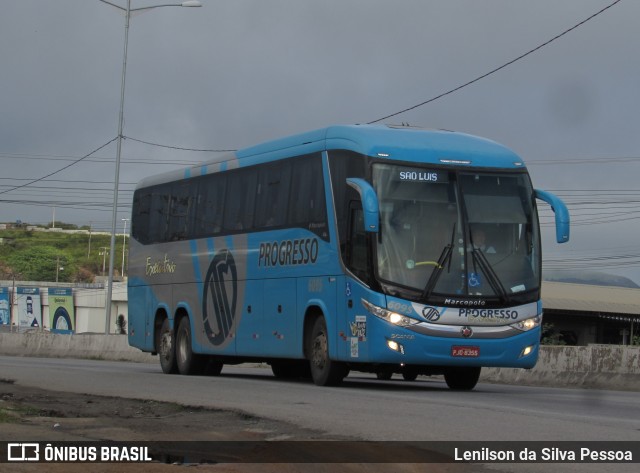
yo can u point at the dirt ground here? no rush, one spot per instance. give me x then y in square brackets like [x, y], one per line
[30, 414]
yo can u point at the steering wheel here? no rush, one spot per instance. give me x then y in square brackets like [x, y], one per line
[412, 264]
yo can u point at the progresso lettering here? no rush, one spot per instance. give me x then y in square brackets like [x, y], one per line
[489, 313]
[288, 252]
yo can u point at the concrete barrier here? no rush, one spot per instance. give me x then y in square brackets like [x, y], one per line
[594, 366]
[83, 345]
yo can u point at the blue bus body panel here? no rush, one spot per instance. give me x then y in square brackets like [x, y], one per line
[437, 351]
[401, 143]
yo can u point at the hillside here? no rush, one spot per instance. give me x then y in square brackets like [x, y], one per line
[43, 254]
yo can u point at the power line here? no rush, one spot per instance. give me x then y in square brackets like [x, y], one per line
[179, 147]
[522, 56]
[60, 170]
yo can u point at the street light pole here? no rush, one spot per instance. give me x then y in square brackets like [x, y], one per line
[127, 11]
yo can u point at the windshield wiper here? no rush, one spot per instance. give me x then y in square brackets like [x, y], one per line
[494, 281]
[445, 256]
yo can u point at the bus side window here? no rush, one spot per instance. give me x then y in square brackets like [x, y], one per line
[210, 206]
[159, 214]
[140, 216]
[307, 206]
[181, 210]
[240, 200]
[273, 195]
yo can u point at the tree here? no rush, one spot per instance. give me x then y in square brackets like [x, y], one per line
[550, 336]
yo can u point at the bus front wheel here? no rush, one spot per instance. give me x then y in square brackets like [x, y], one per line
[324, 371]
[187, 361]
[462, 378]
[165, 347]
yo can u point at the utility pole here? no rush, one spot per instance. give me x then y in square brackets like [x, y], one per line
[104, 251]
[89, 250]
[124, 244]
[57, 267]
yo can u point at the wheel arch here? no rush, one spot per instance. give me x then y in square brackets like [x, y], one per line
[317, 309]
[159, 317]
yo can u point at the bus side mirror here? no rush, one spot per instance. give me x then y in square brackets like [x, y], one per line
[561, 213]
[370, 205]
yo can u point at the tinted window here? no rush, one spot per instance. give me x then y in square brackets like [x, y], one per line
[209, 206]
[307, 207]
[240, 200]
[158, 214]
[287, 193]
[181, 210]
[140, 215]
[274, 182]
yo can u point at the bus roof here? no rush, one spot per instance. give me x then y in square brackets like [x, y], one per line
[401, 143]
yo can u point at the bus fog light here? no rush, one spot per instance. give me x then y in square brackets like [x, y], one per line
[395, 346]
[527, 351]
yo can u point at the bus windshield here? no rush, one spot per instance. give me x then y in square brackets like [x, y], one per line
[457, 233]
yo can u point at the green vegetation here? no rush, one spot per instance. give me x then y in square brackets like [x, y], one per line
[550, 336]
[13, 414]
[29, 255]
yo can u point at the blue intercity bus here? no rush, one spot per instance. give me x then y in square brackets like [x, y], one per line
[368, 248]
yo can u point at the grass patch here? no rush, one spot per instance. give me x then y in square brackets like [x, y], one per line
[12, 415]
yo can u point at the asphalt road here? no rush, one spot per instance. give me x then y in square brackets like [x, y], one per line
[363, 407]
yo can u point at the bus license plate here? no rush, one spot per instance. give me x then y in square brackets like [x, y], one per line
[465, 351]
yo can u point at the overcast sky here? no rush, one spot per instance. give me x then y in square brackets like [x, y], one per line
[237, 72]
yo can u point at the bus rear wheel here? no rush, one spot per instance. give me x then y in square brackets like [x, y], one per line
[166, 348]
[324, 371]
[462, 378]
[187, 361]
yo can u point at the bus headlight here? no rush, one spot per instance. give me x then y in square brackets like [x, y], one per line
[388, 315]
[528, 324]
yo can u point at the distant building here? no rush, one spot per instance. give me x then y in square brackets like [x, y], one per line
[584, 314]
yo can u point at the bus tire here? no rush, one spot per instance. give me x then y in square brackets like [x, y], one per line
[165, 347]
[187, 361]
[462, 378]
[409, 374]
[324, 371]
